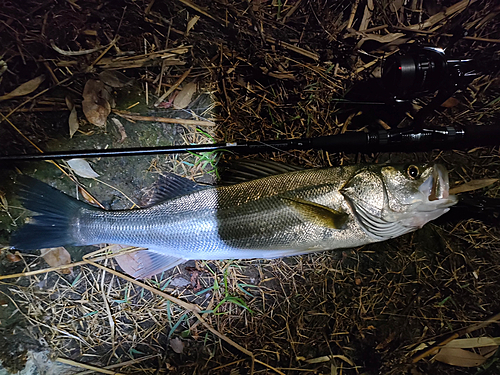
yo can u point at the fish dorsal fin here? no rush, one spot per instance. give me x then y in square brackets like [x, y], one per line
[243, 170]
[170, 186]
[318, 214]
[146, 263]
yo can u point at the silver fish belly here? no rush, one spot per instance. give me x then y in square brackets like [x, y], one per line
[279, 215]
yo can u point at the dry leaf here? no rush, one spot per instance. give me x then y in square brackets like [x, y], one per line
[25, 89]
[13, 258]
[473, 185]
[69, 102]
[396, 5]
[459, 357]
[87, 32]
[95, 103]
[327, 358]
[191, 23]
[367, 15]
[184, 97]
[115, 79]
[450, 102]
[177, 345]
[73, 122]
[448, 13]
[82, 168]
[3, 67]
[488, 351]
[388, 38]
[278, 75]
[121, 129]
[474, 342]
[57, 256]
[89, 198]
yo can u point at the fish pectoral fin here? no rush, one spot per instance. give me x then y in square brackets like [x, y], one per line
[318, 214]
[146, 263]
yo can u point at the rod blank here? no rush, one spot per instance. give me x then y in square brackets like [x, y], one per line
[400, 140]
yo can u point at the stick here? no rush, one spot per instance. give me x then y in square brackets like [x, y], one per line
[167, 120]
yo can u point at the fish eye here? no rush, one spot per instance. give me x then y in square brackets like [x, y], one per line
[413, 172]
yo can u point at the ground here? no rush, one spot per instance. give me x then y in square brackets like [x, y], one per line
[262, 70]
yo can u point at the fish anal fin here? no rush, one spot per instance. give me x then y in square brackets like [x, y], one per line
[318, 214]
[143, 264]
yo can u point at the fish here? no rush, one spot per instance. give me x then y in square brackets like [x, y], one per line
[272, 212]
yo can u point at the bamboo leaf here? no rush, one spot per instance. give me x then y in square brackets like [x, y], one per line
[473, 185]
[24, 89]
[459, 357]
[191, 23]
[73, 122]
[327, 358]
[475, 342]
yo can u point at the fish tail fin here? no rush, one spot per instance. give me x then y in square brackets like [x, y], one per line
[51, 227]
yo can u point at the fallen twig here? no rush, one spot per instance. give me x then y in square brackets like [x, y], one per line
[167, 120]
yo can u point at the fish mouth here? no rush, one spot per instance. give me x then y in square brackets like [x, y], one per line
[436, 188]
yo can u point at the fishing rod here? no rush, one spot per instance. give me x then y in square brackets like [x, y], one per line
[418, 71]
[398, 140]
